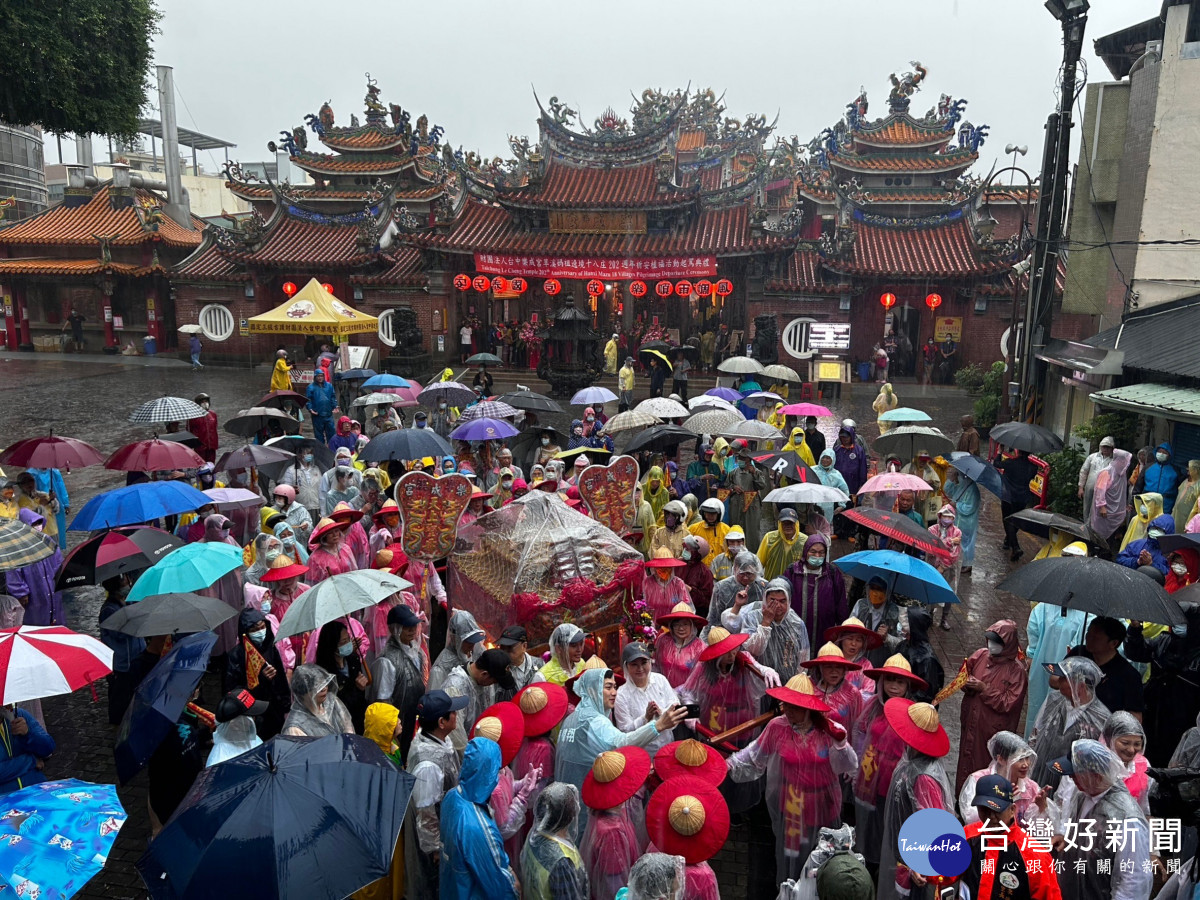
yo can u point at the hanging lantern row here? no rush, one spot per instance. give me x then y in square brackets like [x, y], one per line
[483, 283]
[595, 287]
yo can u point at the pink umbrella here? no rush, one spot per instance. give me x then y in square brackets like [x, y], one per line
[154, 455]
[51, 452]
[805, 409]
[407, 395]
[894, 481]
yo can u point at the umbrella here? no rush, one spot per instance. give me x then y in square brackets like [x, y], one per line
[114, 553]
[660, 437]
[905, 414]
[488, 409]
[252, 456]
[51, 452]
[159, 700]
[650, 353]
[234, 498]
[405, 397]
[663, 408]
[1169, 543]
[57, 836]
[1040, 522]
[897, 527]
[21, 546]
[337, 596]
[193, 567]
[296, 444]
[759, 399]
[294, 817]
[809, 492]
[354, 375]
[725, 393]
[530, 401]
[483, 429]
[405, 444]
[136, 504]
[981, 472]
[630, 420]
[166, 409]
[191, 329]
[525, 446]
[894, 481]
[748, 386]
[714, 421]
[592, 396]
[185, 613]
[154, 456]
[905, 440]
[45, 660]
[452, 392]
[386, 379]
[1026, 436]
[182, 437]
[704, 401]
[485, 359]
[1095, 586]
[276, 399]
[806, 409]
[782, 373]
[906, 575]
[582, 451]
[753, 430]
[249, 422]
[790, 465]
[691, 351]
[740, 365]
[375, 398]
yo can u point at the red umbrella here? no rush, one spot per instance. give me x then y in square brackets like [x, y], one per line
[278, 398]
[154, 455]
[42, 661]
[897, 527]
[51, 452]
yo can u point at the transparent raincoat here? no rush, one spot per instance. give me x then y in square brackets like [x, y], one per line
[1137, 781]
[559, 668]
[548, 858]
[831, 842]
[309, 718]
[461, 624]
[233, 738]
[656, 876]
[609, 849]
[879, 750]
[782, 646]
[1008, 750]
[1061, 722]
[919, 782]
[725, 591]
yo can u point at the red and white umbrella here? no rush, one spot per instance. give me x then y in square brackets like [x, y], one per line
[44, 660]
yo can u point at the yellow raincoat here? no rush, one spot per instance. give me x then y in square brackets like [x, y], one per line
[780, 388]
[887, 400]
[281, 379]
[610, 356]
[657, 499]
[380, 726]
[797, 444]
[1139, 523]
[1053, 548]
[776, 552]
[714, 535]
[721, 455]
[776, 420]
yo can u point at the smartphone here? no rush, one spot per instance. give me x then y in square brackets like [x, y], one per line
[693, 710]
[949, 892]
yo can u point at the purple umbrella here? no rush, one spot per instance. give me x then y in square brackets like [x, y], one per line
[484, 429]
[725, 394]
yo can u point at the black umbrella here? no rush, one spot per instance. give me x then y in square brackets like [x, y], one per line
[182, 437]
[115, 552]
[170, 614]
[660, 437]
[1027, 437]
[1095, 586]
[1169, 543]
[660, 346]
[530, 401]
[406, 444]
[249, 422]
[253, 455]
[789, 465]
[526, 445]
[690, 351]
[1040, 522]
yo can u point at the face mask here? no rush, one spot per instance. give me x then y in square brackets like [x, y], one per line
[441, 406]
[273, 554]
[421, 423]
[591, 418]
[545, 442]
[257, 637]
[308, 458]
[578, 432]
[204, 405]
[280, 503]
[994, 647]
[1179, 630]
[732, 550]
[1179, 569]
[1143, 511]
[686, 555]
[266, 607]
[345, 649]
[662, 574]
[945, 521]
[506, 484]
[1161, 457]
[815, 562]
[1154, 534]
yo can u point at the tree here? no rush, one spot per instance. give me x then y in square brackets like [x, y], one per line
[79, 66]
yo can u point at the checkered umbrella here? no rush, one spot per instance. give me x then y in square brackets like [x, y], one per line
[630, 420]
[489, 409]
[21, 546]
[165, 409]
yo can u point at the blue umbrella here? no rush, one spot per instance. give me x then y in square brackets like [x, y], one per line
[483, 429]
[904, 574]
[354, 375]
[193, 567]
[159, 700]
[295, 817]
[385, 380]
[905, 414]
[725, 394]
[982, 472]
[66, 830]
[136, 504]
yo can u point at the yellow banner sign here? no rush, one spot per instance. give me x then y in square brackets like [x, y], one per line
[587, 221]
[947, 327]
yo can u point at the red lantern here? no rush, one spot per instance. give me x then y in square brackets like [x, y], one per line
[462, 282]
[289, 288]
[551, 286]
[888, 300]
[500, 284]
[724, 287]
[683, 288]
[704, 288]
[481, 283]
[637, 288]
[518, 285]
[595, 287]
[328, 287]
[664, 289]
[933, 301]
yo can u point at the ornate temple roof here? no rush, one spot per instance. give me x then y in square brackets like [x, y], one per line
[46, 266]
[803, 274]
[905, 131]
[407, 270]
[908, 249]
[906, 162]
[572, 186]
[141, 222]
[355, 164]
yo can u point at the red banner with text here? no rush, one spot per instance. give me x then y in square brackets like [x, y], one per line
[591, 267]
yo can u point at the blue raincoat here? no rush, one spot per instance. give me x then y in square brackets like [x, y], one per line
[1129, 556]
[1051, 634]
[830, 477]
[964, 494]
[1161, 478]
[474, 864]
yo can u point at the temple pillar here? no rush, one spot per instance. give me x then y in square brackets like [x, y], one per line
[107, 286]
[10, 320]
[21, 304]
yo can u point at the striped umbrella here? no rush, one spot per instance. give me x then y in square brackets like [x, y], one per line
[489, 409]
[165, 409]
[630, 420]
[21, 546]
[44, 660]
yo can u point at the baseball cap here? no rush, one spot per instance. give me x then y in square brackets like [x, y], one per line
[1054, 669]
[1061, 766]
[474, 637]
[513, 635]
[402, 615]
[994, 792]
[239, 703]
[706, 449]
[439, 704]
[495, 663]
[632, 652]
[788, 515]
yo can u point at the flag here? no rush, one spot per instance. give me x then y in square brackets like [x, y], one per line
[207, 719]
[254, 662]
[954, 686]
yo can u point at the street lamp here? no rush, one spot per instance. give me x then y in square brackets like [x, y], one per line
[1067, 9]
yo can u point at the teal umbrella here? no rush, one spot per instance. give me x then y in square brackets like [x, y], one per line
[193, 567]
[905, 414]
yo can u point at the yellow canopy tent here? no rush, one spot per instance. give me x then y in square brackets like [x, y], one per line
[313, 310]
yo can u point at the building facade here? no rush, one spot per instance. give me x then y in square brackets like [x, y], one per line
[22, 173]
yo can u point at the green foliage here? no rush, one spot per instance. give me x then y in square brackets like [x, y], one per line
[970, 378]
[990, 394]
[1064, 482]
[1123, 426]
[78, 66]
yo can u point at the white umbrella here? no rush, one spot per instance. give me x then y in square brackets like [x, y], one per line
[337, 596]
[234, 498]
[664, 408]
[759, 399]
[806, 492]
[782, 373]
[630, 420]
[375, 398]
[753, 430]
[190, 329]
[707, 401]
[714, 421]
[740, 365]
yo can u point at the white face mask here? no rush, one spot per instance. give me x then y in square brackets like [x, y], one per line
[1179, 569]
[545, 442]
[1161, 457]
[995, 648]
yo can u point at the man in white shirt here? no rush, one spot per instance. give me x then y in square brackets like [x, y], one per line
[433, 762]
[464, 338]
[644, 696]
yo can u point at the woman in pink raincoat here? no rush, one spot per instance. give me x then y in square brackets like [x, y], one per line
[661, 587]
[831, 669]
[330, 553]
[677, 650]
[610, 844]
[283, 587]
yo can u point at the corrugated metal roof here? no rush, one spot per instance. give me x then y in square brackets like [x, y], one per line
[1160, 339]
[1166, 401]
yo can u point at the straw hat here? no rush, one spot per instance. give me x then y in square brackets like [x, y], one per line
[853, 625]
[799, 691]
[897, 665]
[504, 724]
[477, 494]
[830, 655]
[690, 758]
[325, 525]
[616, 776]
[389, 508]
[688, 817]
[592, 662]
[283, 566]
[683, 610]
[721, 642]
[346, 513]
[664, 559]
[392, 558]
[543, 705]
[918, 726]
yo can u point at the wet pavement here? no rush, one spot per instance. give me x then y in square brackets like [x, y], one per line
[90, 397]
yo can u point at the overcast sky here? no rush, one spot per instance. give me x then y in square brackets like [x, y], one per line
[246, 70]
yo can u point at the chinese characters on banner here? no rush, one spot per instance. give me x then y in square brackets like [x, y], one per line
[588, 267]
[1118, 845]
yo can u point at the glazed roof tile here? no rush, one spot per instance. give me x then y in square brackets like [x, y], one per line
[314, 194]
[692, 139]
[207, 264]
[803, 274]
[566, 186]
[947, 250]
[904, 162]
[295, 242]
[901, 130]
[76, 225]
[407, 269]
[368, 137]
[71, 267]
[354, 164]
